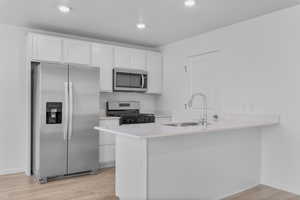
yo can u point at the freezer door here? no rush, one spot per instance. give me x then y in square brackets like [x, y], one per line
[53, 129]
[84, 113]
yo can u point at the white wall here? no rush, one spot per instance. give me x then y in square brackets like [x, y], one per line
[257, 70]
[12, 100]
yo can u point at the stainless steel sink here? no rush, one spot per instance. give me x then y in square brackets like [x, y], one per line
[183, 124]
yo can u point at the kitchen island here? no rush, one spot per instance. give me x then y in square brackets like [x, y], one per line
[167, 162]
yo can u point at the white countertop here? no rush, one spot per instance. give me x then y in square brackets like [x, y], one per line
[117, 118]
[230, 122]
[108, 118]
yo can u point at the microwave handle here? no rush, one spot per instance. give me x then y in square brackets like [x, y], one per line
[143, 80]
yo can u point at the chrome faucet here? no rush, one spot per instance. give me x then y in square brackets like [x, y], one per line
[203, 119]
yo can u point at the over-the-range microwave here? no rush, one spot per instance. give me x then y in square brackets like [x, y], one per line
[130, 80]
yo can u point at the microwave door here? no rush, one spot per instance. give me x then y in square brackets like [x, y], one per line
[122, 80]
[136, 81]
[128, 81]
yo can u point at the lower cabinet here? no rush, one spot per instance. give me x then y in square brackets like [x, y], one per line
[107, 140]
[107, 156]
[107, 143]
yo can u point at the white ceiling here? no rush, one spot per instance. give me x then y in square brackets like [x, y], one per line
[167, 20]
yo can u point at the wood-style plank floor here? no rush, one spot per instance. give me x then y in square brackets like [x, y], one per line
[90, 187]
[263, 192]
[100, 187]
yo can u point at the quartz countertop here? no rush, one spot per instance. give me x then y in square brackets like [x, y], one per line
[157, 115]
[228, 122]
[108, 118]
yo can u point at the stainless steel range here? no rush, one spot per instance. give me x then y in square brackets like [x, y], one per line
[128, 111]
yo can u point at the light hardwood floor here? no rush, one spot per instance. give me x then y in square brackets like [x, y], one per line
[90, 187]
[100, 187]
[263, 192]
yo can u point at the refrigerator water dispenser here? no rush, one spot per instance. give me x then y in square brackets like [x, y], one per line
[53, 113]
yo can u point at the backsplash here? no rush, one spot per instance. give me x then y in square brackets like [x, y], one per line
[148, 102]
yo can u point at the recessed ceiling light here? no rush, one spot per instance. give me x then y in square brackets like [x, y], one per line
[64, 9]
[141, 26]
[189, 3]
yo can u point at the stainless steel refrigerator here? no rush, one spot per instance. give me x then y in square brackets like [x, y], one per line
[65, 106]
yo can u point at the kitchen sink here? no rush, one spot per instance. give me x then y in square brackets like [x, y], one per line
[183, 124]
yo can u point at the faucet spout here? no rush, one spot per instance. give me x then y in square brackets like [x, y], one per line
[203, 118]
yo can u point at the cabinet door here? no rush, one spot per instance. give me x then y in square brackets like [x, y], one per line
[46, 48]
[107, 138]
[102, 56]
[122, 57]
[77, 52]
[154, 68]
[130, 58]
[106, 155]
[138, 59]
[107, 142]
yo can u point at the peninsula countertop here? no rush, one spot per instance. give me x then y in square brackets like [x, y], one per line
[230, 122]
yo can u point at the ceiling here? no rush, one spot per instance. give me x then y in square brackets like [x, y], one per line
[167, 20]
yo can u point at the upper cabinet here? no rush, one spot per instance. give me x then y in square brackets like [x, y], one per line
[122, 57]
[102, 56]
[154, 68]
[106, 57]
[138, 59]
[76, 51]
[130, 58]
[56, 49]
[46, 48]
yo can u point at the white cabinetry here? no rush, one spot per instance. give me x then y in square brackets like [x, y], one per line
[102, 56]
[78, 52]
[130, 58]
[107, 143]
[122, 57]
[107, 156]
[138, 59]
[46, 48]
[65, 50]
[154, 68]
[107, 140]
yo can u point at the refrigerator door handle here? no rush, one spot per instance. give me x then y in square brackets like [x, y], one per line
[71, 109]
[66, 111]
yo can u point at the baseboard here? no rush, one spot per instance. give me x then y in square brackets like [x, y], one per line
[109, 164]
[242, 190]
[11, 171]
[286, 189]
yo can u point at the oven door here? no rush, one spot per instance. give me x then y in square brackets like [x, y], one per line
[130, 80]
